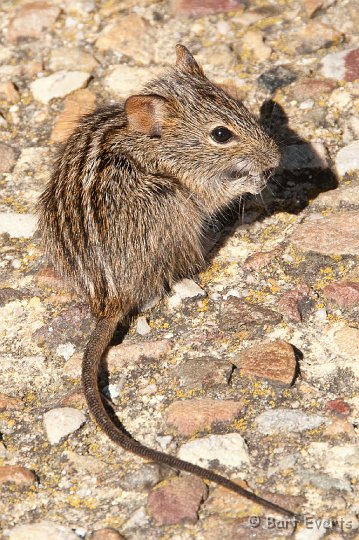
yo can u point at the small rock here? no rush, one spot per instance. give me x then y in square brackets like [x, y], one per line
[12, 474]
[124, 80]
[316, 36]
[347, 159]
[345, 293]
[197, 8]
[343, 65]
[340, 427]
[276, 77]
[235, 313]
[61, 422]
[272, 360]
[189, 416]
[66, 350]
[8, 92]
[142, 326]
[254, 45]
[8, 295]
[311, 88]
[177, 500]
[131, 36]
[313, 6]
[58, 85]
[75, 398]
[202, 373]
[336, 234]
[276, 421]
[259, 260]
[338, 406]
[292, 302]
[18, 225]
[106, 534]
[32, 20]
[47, 277]
[144, 478]
[8, 403]
[330, 456]
[228, 450]
[70, 59]
[7, 158]
[76, 105]
[43, 530]
[132, 353]
[347, 341]
[187, 288]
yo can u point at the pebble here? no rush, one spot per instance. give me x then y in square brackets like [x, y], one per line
[144, 478]
[106, 534]
[347, 341]
[131, 36]
[230, 450]
[66, 350]
[14, 474]
[124, 80]
[235, 313]
[18, 225]
[61, 422]
[316, 35]
[202, 373]
[253, 44]
[58, 85]
[43, 530]
[293, 302]
[188, 8]
[330, 456]
[189, 416]
[276, 421]
[272, 360]
[342, 196]
[9, 93]
[259, 260]
[76, 105]
[345, 293]
[177, 500]
[343, 65]
[336, 234]
[7, 294]
[306, 88]
[187, 288]
[142, 326]
[347, 159]
[338, 406]
[127, 353]
[71, 58]
[339, 428]
[276, 77]
[7, 158]
[8, 403]
[32, 20]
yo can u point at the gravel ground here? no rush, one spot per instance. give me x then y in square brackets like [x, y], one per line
[252, 370]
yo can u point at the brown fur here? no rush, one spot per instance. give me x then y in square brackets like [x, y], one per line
[124, 214]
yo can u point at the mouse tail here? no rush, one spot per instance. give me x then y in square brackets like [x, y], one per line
[98, 343]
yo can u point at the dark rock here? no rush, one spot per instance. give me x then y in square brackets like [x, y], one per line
[8, 295]
[203, 373]
[277, 77]
[236, 313]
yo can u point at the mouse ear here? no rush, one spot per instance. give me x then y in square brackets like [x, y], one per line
[146, 114]
[186, 62]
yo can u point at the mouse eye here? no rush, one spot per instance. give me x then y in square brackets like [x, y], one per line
[221, 134]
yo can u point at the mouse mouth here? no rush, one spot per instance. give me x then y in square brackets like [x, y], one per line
[255, 183]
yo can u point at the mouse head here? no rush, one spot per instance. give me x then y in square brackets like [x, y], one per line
[202, 135]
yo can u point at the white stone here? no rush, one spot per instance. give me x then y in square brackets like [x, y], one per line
[66, 350]
[71, 58]
[229, 450]
[123, 80]
[333, 65]
[347, 159]
[62, 421]
[330, 457]
[43, 530]
[18, 225]
[58, 85]
[142, 326]
[286, 420]
[187, 288]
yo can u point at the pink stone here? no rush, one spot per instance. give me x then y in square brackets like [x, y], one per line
[345, 293]
[189, 416]
[290, 302]
[259, 260]
[200, 8]
[32, 20]
[177, 500]
[351, 63]
[14, 474]
[338, 406]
